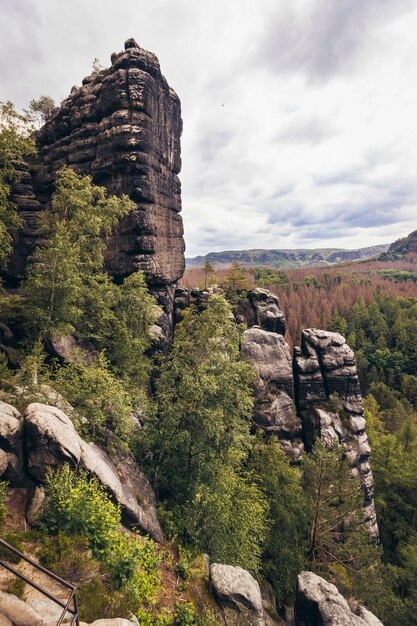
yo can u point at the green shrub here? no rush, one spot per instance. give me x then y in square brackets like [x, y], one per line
[16, 586]
[97, 600]
[133, 562]
[185, 615]
[184, 563]
[14, 539]
[78, 505]
[69, 557]
[163, 618]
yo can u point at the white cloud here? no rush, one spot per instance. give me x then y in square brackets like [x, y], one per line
[299, 116]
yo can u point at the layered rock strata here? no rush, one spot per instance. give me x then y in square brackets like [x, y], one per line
[329, 402]
[122, 127]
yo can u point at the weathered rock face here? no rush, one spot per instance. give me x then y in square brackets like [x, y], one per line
[46, 438]
[123, 127]
[274, 408]
[298, 397]
[329, 401]
[11, 432]
[263, 310]
[319, 603]
[237, 590]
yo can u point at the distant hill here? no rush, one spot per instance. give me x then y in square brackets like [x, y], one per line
[288, 258]
[401, 249]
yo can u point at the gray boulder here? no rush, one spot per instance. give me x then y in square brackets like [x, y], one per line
[18, 612]
[237, 590]
[51, 439]
[274, 408]
[319, 603]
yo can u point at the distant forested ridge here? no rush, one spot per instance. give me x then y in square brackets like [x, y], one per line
[289, 258]
[403, 248]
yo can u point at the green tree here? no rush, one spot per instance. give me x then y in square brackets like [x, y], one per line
[199, 437]
[339, 547]
[235, 279]
[286, 544]
[15, 144]
[41, 110]
[338, 323]
[101, 400]
[208, 273]
[61, 268]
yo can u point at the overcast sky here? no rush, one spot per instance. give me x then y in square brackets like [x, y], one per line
[300, 116]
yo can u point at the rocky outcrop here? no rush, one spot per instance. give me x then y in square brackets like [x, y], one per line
[50, 440]
[319, 603]
[329, 401]
[122, 127]
[11, 432]
[262, 309]
[18, 612]
[237, 590]
[274, 408]
[312, 392]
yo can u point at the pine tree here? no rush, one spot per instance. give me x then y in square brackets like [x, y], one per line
[62, 267]
[339, 548]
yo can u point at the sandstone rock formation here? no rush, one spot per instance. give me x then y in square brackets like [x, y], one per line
[46, 438]
[18, 612]
[329, 401]
[11, 433]
[319, 603]
[263, 310]
[274, 408]
[236, 589]
[123, 127]
[301, 395]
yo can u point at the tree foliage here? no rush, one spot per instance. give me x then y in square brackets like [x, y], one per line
[339, 547]
[41, 110]
[62, 268]
[285, 550]
[200, 438]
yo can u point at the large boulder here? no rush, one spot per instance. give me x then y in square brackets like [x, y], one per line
[319, 603]
[236, 590]
[18, 612]
[51, 441]
[274, 407]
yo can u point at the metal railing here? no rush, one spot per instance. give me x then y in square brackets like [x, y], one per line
[65, 606]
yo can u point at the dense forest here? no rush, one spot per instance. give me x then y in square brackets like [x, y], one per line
[184, 416]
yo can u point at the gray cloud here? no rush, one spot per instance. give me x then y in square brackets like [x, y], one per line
[316, 139]
[321, 38]
[311, 130]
